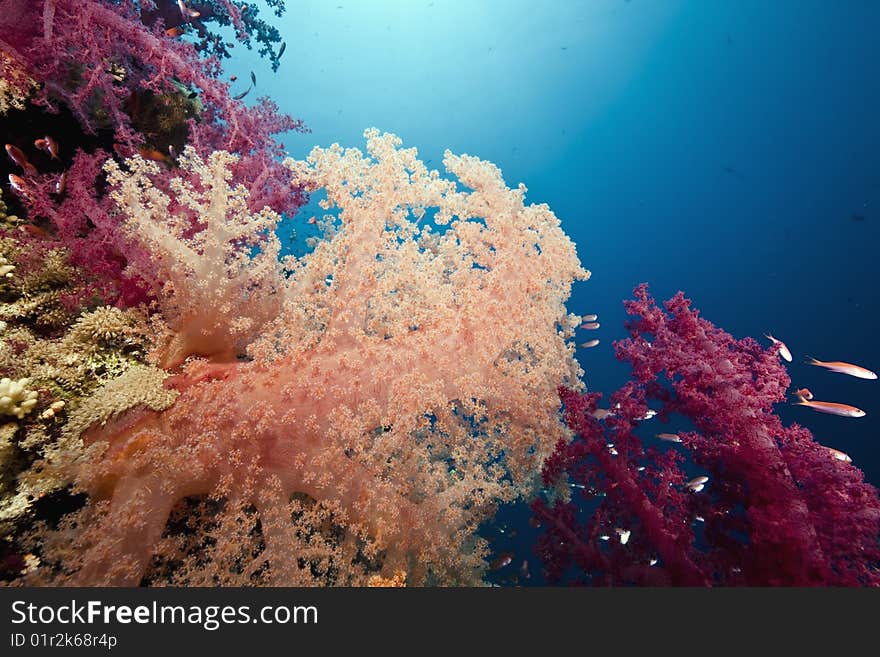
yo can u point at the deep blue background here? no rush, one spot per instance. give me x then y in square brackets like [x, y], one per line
[727, 149]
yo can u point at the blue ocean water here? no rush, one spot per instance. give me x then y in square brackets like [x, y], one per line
[726, 149]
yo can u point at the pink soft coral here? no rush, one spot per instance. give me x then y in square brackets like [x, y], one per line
[406, 386]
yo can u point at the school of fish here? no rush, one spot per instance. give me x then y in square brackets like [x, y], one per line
[803, 396]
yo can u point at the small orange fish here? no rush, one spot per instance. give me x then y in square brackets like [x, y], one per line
[503, 560]
[48, 145]
[783, 350]
[803, 392]
[697, 483]
[590, 326]
[669, 437]
[174, 32]
[590, 344]
[589, 318]
[312, 220]
[152, 154]
[34, 231]
[233, 78]
[121, 150]
[832, 408]
[840, 456]
[186, 11]
[53, 147]
[844, 368]
[17, 155]
[17, 183]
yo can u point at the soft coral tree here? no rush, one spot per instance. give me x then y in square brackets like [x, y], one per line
[244, 19]
[778, 509]
[405, 388]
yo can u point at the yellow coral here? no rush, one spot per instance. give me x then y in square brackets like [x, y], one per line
[12, 83]
[54, 272]
[41, 308]
[398, 580]
[106, 325]
[7, 449]
[6, 268]
[140, 385]
[5, 217]
[36, 296]
[15, 398]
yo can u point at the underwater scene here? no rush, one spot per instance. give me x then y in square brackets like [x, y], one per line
[439, 293]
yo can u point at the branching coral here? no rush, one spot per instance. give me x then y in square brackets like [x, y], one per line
[407, 385]
[245, 19]
[15, 85]
[213, 264]
[49, 362]
[130, 87]
[778, 509]
[16, 398]
[43, 288]
[100, 77]
[93, 54]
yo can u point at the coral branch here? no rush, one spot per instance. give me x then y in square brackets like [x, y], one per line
[778, 509]
[213, 265]
[406, 386]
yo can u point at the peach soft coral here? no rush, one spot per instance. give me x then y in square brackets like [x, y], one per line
[405, 386]
[213, 263]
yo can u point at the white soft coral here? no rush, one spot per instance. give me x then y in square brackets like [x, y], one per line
[213, 264]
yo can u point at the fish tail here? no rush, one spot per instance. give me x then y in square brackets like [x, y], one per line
[812, 361]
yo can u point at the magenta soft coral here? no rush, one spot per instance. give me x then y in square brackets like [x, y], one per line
[84, 223]
[96, 58]
[778, 509]
[93, 56]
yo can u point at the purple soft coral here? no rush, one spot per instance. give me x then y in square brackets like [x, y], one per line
[778, 509]
[114, 74]
[97, 57]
